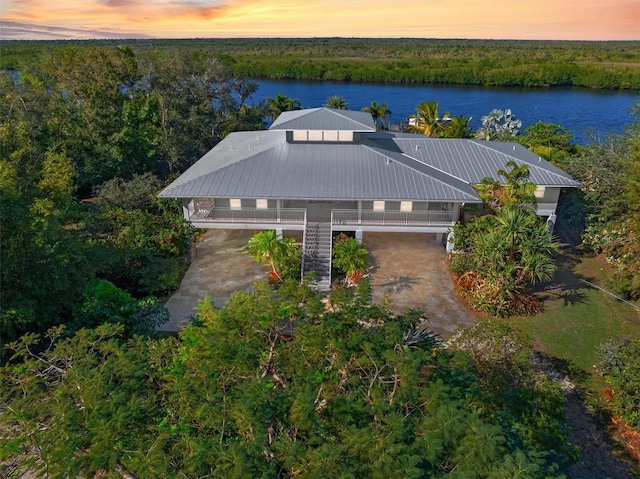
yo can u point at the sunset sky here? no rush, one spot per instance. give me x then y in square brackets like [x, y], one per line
[500, 19]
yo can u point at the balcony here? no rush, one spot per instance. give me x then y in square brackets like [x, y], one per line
[287, 216]
[392, 218]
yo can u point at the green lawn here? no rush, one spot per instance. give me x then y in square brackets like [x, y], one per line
[577, 318]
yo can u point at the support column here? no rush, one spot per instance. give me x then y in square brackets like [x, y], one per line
[185, 209]
[456, 212]
[279, 233]
[359, 235]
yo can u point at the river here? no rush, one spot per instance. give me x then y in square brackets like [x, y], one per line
[588, 114]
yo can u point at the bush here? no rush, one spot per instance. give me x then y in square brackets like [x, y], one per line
[511, 376]
[620, 366]
[106, 303]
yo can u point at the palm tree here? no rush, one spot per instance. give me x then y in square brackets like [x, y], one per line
[351, 257]
[281, 103]
[379, 113]
[518, 246]
[264, 246]
[427, 119]
[458, 127]
[282, 254]
[516, 190]
[337, 102]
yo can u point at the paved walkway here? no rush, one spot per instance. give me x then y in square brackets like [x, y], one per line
[409, 269]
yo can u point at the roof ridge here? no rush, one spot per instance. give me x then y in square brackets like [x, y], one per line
[337, 111]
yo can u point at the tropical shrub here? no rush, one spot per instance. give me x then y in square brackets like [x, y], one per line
[620, 366]
[351, 257]
[282, 254]
[510, 251]
[499, 255]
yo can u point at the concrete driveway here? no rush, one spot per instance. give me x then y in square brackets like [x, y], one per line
[408, 269]
[221, 266]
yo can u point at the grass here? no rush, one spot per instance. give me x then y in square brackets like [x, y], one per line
[578, 318]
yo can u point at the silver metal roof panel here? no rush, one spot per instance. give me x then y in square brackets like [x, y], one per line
[335, 171]
[473, 160]
[324, 119]
[381, 165]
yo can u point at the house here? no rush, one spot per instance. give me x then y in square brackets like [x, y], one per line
[320, 170]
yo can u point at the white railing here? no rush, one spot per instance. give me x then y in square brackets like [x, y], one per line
[391, 218]
[249, 215]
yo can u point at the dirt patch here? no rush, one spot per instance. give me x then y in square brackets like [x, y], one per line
[598, 458]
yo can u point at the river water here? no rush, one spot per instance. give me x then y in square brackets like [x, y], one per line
[588, 114]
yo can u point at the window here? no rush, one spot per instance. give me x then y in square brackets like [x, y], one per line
[262, 204]
[330, 135]
[235, 203]
[315, 135]
[345, 135]
[406, 206]
[299, 135]
[378, 206]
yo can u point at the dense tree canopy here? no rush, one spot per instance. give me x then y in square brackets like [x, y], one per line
[525, 63]
[88, 135]
[275, 384]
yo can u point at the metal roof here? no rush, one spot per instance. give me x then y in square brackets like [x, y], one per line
[313, 171]
[379, 165]
[324, 119]
[473, 160]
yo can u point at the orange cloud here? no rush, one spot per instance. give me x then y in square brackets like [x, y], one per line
[522, 19]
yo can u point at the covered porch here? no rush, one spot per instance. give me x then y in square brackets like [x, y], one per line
[342, 215]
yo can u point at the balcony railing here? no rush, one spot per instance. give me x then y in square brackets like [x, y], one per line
[248, 215]
[392, 218]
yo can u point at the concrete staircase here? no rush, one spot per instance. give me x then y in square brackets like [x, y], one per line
[317, 253]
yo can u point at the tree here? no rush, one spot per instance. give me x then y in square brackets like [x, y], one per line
[106, 303]
[281, 103]
[548, 140]
[281, 254]
[515, 190]
[43, 260]
[273, 384]
[504, 254]
[88, 134]
[351, 257]
[499, 125]
[428, 120]
[379, 113]
[458, 127]
[337, 102]
[609, 175]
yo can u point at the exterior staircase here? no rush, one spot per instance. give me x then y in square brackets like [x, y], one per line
[317, 253]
